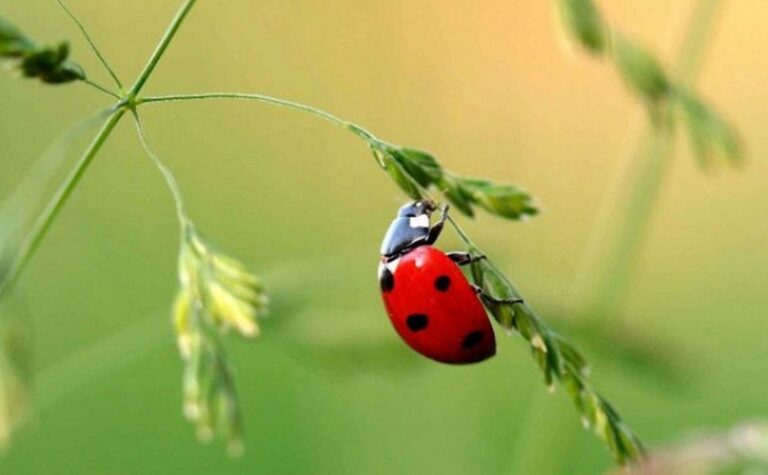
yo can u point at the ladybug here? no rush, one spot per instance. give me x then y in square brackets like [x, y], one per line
[429, 301]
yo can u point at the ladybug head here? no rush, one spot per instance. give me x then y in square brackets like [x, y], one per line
[416, 209]
[411, 228]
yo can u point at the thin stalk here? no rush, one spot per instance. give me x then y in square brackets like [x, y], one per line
[100, 88]
[91, 43]
[472, 248]
[354, 128]
[692, 51]
[170, 180]
[170, 32]
[615, 246]
[56, 204]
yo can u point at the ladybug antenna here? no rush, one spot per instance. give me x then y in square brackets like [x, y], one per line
[417, 208]
[429, 205]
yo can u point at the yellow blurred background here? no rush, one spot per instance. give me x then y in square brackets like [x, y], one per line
[492, 90]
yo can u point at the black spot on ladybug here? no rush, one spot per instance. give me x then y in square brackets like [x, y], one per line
[386, 280]
[472, 339]
[442, 283]
[417, 322]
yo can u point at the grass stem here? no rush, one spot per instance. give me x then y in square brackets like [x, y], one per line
[170, 180]
[91, 43]
[100, 88]
[354, 128]
[162, 46]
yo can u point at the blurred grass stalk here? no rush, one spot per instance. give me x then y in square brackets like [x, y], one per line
[741, 449]
[15, 369]
[613, 248]
[620, 231]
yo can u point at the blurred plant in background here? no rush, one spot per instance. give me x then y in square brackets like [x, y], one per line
[741, 450]
[665, 96]
[618, 235]
[616, 240]
[50, 64]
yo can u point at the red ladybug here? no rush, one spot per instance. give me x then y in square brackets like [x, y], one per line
[429, 301]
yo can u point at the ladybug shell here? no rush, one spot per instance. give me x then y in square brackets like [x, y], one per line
[434, 309]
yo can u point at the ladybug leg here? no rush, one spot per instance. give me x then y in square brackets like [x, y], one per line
[464, 258]
[493, 300]
[435, 231]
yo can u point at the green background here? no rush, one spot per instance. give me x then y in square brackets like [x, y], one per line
[328, 387]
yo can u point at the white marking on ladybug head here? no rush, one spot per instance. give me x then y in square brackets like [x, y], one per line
[421, 221]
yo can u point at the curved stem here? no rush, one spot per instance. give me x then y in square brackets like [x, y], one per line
[170, 180]
[91, 43]
[462, 235]
[352, 127]
[56, 204]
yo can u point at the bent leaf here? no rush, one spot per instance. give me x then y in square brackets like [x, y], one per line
[416, 171]
[503, 200]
